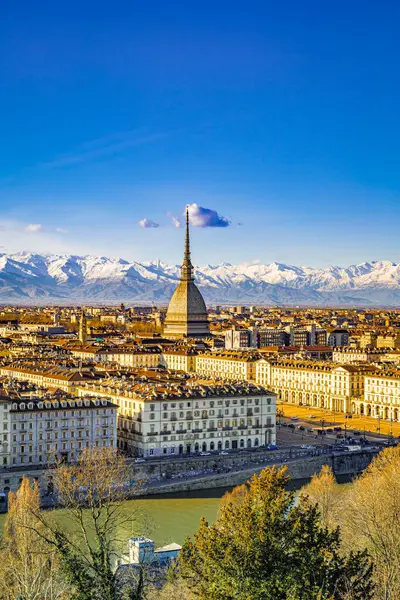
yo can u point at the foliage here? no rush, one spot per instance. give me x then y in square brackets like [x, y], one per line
[371, 519]
[92, 493]
[329, 495]
[266, 547]
[29, 567]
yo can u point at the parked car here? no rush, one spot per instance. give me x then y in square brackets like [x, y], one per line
[356, 433]
[292, 425]
[337, 429]
[301, 427]
[311, 417]
[272, 447]
[329, 430]
[205, 453]
[295, 418]
[310, 430]
[284, 424]
[223, 453]
[139, 460]
[339, 436]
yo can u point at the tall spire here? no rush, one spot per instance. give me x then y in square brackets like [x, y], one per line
[187, 267]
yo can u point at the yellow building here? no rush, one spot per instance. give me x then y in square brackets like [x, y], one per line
[227, 365]
[183, 359]
[313, 383]
[381, 396]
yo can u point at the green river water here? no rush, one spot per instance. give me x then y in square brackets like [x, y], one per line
[167, 519]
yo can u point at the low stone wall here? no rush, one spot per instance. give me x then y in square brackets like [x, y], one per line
[300, 468]
[229, 471]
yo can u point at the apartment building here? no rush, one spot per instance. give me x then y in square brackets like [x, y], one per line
[227, 365]
[36, 431]
[347, 356]
[179, 359]
[235, 339]
[312, 383]
[272, 336]
[389, 340]
[47, 376]
[381, 396]
[172, 418]
[140, 357]
[338, 337]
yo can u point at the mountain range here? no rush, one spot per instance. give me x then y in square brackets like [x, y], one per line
[27, 278]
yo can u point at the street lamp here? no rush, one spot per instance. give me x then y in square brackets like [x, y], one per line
[390, 432]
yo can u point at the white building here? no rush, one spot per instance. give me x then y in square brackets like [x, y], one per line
[35, 431]
[313, 383]
[180, 359]
[46, 376]
[239, 366]
[172, 418]
[235, 339]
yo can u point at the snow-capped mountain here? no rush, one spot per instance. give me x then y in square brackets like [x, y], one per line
[34, 278]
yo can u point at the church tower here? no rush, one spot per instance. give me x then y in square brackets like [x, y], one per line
[187, 313]
[83, 328]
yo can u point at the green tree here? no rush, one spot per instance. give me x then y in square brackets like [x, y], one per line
[264, 546]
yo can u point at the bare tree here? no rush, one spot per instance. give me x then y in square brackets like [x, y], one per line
[371, 519]
[29, 567]
[92, 493]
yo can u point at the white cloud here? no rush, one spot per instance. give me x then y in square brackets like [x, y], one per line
[33, 228]
[61, 230]
[206, 217]
[147, 223]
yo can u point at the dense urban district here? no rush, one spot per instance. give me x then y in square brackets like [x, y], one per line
[187, 380]
[102, 404]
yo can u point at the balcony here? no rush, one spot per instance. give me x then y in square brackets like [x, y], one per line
[165, 432]
[197, 430]
[269, 425]
[211, 429]
[181, 431]
[242, 427]
[173, 419]
[152, 433]
[227, 428]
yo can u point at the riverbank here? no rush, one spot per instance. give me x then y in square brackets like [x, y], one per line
[301, 467]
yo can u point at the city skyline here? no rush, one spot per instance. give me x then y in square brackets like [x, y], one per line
[282, 121]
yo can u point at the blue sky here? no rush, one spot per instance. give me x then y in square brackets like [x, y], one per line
[281, 117]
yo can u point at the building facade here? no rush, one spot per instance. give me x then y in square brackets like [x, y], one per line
[237, 366]
[182, 419]
[314, 384]
[37, 431]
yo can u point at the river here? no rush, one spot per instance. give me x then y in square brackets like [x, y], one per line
[174, 517]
